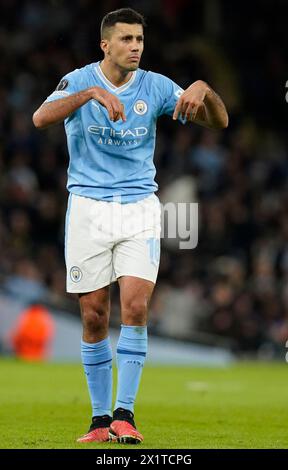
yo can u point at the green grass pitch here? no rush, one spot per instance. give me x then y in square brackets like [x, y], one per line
[242, 406]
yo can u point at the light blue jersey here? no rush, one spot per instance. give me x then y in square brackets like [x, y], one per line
[114, 160]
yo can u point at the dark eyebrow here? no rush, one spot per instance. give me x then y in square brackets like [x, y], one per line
[130, 36]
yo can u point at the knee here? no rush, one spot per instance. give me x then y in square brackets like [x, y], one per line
[135, 311]
[95, 320]
[95, 317]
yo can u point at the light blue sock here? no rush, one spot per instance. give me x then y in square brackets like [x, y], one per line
[97, 362]
[131, 354]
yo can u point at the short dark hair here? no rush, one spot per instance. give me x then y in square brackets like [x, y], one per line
[123, 15]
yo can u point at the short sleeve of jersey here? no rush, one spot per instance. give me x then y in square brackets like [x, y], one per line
[168, 93]
[68, 85]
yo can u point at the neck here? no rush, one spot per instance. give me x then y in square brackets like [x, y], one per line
[115, 74]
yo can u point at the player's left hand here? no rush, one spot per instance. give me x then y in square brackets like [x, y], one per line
[191, 102]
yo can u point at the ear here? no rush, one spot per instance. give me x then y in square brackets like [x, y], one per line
[104, 46]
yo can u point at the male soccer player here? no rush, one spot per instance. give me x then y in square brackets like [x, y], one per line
[110, 110]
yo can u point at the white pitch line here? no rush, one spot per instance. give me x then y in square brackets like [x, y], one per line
[205, 386]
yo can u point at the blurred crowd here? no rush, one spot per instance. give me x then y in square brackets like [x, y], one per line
[233, 286]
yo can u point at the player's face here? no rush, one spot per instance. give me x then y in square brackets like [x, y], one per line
[124, 46]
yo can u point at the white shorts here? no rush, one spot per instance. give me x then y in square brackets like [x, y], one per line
[107, 240]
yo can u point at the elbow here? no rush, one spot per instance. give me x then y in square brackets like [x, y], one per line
[219, 123]
[223, 124]
[226, 122]
[38, 120]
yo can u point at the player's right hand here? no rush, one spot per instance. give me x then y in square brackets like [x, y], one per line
[113, 105]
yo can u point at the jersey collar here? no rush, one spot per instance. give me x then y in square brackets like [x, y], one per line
[110, 85]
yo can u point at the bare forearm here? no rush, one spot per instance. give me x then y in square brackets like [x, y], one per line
[56, 111]
[201, 105]
[216, 114]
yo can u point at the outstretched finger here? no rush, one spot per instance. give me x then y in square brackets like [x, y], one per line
[184, 110]
[194, 113]
[123, 117]
[116, 116]
[110, 110]
[122, 113]
[189, 112]
[177, 110]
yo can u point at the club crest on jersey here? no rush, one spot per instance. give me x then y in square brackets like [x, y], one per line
[75, 274]
[140, 107]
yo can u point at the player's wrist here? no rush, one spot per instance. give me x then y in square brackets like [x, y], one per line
[93, 93]
[201, 87]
